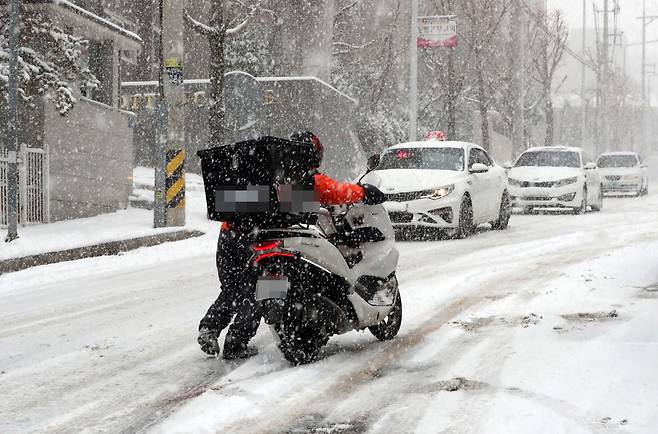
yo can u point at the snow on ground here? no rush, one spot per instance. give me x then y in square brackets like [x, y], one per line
[121, 225]
[549, 326]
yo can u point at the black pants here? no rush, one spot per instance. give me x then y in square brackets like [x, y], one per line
[237, 294]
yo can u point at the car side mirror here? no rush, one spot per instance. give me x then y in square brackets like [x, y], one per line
[373, 162]
[644, 166]
[591, 166]
[479, 168]
[507, 165]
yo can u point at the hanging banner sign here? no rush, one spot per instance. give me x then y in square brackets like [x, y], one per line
[437, 32]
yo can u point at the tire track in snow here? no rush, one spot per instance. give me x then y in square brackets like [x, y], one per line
[351, 383]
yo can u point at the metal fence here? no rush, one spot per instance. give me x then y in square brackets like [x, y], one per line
[33, 191]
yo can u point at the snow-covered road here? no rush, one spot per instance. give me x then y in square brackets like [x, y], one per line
[550, 326]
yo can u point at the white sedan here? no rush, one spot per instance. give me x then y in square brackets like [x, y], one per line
[555, 177]
[443, 185]
[623, 172]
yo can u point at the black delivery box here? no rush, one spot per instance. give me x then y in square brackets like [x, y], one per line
[259, 177]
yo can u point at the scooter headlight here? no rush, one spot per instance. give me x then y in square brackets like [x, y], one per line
[440, 192]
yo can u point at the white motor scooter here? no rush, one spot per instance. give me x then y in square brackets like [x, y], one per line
[338, 275]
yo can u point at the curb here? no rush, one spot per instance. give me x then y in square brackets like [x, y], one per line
[103, 249]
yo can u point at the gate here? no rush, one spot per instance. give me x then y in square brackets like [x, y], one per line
[33, 192]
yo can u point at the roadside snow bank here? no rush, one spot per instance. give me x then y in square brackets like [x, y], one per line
[121, 225]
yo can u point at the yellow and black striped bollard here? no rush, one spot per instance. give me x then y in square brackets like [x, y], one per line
[175, 182]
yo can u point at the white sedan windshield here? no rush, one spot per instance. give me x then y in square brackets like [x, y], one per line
[549, 159]
[423, 158]
[607, 161]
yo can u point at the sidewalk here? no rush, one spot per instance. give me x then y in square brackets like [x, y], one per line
[106, 234]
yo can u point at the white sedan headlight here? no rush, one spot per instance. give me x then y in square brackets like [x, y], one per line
[514, 182]
[567, 181]
[440, 192]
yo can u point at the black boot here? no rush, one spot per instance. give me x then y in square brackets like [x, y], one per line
[236, 348]
[239, 353]
[208, 341]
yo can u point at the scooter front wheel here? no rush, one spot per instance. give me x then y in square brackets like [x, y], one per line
[389, 327]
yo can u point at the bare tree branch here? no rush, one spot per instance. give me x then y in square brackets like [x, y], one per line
[346, 45]
[346, 8]
[198, 26]
[254, 10]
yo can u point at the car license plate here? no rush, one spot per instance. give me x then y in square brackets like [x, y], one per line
[268, 287]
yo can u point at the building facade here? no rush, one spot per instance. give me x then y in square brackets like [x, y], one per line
[89, 151]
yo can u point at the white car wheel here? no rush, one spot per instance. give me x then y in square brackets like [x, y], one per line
[504, 214]
[466, 226]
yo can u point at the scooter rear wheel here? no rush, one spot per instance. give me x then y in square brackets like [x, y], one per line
[389, 327]
[301, 339]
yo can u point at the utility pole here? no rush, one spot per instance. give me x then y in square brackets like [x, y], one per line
[643, 110]
[169, 195]
[583, 81]
[603, 145]
[12, 130]
[646, 20]
[518, 77]
[413, 74]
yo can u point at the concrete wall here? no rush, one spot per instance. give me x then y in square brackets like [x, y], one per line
[31, 121]
[91, 160]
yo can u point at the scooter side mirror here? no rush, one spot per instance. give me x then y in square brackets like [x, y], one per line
[373, 162]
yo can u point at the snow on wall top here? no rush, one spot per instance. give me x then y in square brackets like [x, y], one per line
[93, 17]
[259, 79]
[306, 78]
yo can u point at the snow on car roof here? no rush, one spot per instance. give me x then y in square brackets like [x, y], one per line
[554, 148]
[434, 144]
[618, 153]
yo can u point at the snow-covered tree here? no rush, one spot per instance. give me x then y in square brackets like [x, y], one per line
[364, 66]
[551, 40]
[227, 18]
[49, 60]
[483, 21]
[250, 53]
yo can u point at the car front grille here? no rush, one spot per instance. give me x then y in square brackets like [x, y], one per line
[401, 217]
[526, 184]
[535, 198]
[613, 178]
[406, 197]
